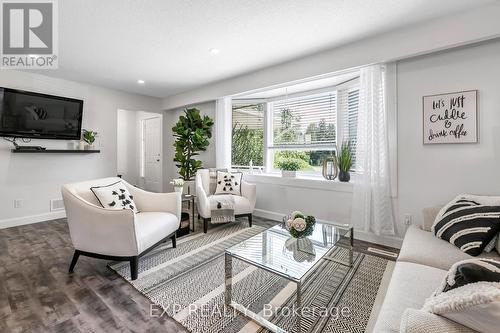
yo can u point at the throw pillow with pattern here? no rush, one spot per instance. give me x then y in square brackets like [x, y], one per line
[469, 222]
[228, 183]
[470, 271]
[114, 196]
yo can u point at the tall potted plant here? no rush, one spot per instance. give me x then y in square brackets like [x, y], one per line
[345, 161]
[192, 132]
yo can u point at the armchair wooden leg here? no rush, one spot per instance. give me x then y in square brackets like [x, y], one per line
[76, 255]
[134, 267]
[250, 220]
[174, 240]
[205, 225]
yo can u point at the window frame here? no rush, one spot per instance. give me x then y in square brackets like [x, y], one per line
[243, 102]
[270, 149]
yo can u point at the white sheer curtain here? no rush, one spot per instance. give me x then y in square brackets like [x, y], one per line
[223, 117]
[372, 204]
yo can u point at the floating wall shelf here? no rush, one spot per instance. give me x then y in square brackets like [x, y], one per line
[55, 151]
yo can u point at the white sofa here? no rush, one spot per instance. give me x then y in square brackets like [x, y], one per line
[243, 206]
[120, 235]
[421, 266]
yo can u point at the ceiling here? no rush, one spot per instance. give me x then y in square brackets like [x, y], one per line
[167, 43]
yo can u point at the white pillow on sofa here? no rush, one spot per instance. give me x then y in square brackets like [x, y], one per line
[469, 295]
[420, 321]
[475, 305]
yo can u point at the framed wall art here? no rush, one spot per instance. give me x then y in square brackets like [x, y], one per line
[450, 118]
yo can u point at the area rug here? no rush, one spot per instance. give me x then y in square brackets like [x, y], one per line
[187, 284]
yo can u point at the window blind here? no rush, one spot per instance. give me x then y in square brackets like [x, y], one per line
[350, 103]
[305, 122]
[249, 116]
[247, 135]
[351, 117]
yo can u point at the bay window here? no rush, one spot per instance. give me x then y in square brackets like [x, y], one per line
[305, 127]
[247, 135]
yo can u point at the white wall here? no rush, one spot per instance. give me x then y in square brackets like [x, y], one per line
[427, 175]
[127, 153]
[434, 174]
[207, 157]
[129, 145]
[37, 178]
[439, 34]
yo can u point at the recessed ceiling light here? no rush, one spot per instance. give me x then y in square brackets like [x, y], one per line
[141, 81]
[214, 51]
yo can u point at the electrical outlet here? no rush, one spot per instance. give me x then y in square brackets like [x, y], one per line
[408, 219]
[18, 203]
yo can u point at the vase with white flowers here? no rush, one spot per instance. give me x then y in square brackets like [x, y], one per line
[300, 225]
[178, 184]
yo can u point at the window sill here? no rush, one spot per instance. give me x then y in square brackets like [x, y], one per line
[301, 182]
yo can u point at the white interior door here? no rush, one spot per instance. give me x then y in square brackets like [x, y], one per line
[152, 154]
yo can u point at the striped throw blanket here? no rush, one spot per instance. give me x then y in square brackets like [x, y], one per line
[222, 208]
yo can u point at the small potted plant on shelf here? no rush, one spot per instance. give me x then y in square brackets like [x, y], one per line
[345, 161]
[289, 167]
[89, 138]
[178, 184]
[300, 225]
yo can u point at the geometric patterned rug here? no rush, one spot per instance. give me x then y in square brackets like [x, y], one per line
[187, 284]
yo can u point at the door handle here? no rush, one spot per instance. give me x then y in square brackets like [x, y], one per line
[157, 160]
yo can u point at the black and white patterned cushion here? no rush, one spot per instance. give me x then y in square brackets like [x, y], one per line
[114, 196]
[228, 183]
[470, 271]
[468, 222]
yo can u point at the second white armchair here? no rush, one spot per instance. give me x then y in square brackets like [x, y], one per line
[243, 205]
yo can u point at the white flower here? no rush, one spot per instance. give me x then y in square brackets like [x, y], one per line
[296, 214]
[299, 224]
[289, 223]
[177, 182]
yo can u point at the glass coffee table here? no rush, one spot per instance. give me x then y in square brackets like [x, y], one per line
[275, 251]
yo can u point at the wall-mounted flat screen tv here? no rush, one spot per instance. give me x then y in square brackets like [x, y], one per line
[26, 114]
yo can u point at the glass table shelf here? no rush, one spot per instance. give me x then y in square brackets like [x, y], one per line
[276, 251]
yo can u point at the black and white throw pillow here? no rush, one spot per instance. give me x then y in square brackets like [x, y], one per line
[114, 196]
[228, 183]
[491, 245]
[468, 222]
[470, 271]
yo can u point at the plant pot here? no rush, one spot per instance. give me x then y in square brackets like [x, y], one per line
[189, 187]
[288, 174]
[344, 176]
[178, 189]
[81, 145]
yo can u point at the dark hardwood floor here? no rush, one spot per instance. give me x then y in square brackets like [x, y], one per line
[38, 295]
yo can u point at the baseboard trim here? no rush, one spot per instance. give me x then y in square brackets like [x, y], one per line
[391, 241]
[17, 221]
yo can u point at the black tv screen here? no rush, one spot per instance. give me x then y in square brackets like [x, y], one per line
[26, 114]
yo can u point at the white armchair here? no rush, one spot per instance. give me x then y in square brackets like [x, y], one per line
[244, 204]
[119, 235]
